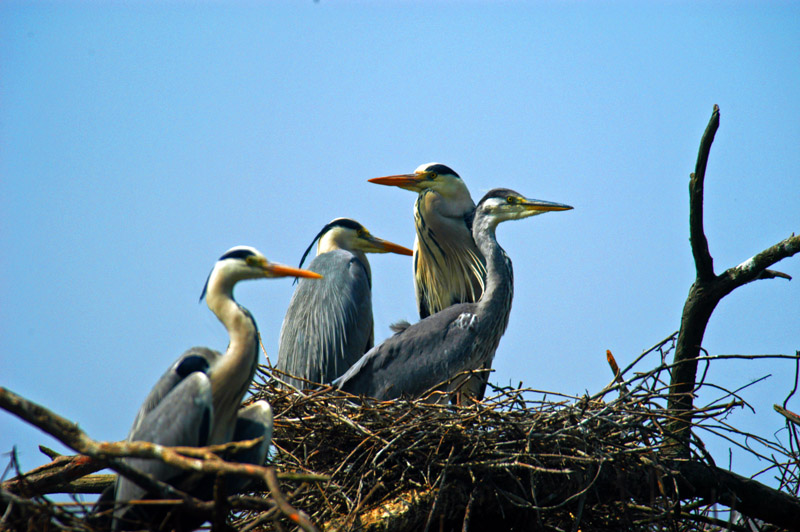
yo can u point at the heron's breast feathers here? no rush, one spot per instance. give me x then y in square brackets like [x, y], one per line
[446, 275]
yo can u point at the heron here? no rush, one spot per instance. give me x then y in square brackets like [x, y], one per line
[197, 402]
[329, 324]
[460, 338]
[448, 268]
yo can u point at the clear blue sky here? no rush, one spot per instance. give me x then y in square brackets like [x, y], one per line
[138, 142]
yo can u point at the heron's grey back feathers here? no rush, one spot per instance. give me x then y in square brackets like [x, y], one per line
[204, 358]
[329, 323]
[179, 411]
[415, 359]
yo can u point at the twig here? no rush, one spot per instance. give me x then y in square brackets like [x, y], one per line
[788, 414]
[296, 516]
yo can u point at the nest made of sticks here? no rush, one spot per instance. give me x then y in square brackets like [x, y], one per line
[521, 459]
[524, 458]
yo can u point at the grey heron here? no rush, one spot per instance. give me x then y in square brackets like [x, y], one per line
[329, 325]
[197, 402]
[448, 268]
[459, 338]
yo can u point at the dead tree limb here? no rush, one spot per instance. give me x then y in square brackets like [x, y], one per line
[62, 471]
[685, 480]
[745, 495]
[71, 474]
[707, 291]
[73, 437]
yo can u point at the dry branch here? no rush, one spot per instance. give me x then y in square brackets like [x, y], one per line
[52, 477]
[788, 414]
[708, 290]
[188, 458]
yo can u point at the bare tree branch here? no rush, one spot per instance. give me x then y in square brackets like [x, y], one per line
[788, 414]
[755, 267]
[707, 291]
[63, 470]
[70, 435]
[702, 257]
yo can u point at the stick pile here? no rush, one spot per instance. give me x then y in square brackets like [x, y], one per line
[520, 460]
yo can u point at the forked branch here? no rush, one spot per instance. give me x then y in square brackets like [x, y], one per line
[707, 290]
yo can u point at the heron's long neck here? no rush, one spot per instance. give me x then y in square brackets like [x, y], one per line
[499, 291]
[232, 374]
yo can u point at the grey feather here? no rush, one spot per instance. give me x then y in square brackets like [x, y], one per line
[169, 380]
[328, 324]
[459, 338]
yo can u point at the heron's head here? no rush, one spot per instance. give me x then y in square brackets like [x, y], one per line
[244, 262]
[348, 234]
[502, 204]
[430, 176]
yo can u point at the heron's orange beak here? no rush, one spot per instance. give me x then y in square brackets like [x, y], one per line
[406, 181]
[391, 247]
[372, 244]
[281, 270]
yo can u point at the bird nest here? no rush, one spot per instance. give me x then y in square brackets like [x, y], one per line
[521, 459]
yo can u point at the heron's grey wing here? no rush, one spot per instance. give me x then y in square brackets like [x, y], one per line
[194, 359]
[329, 324]
[417, 358]
[182, 417]
[253, 421]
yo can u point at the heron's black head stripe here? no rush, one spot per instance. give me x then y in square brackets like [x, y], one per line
[347, 223]
[442, 169]
[501, 193]
[237, 254]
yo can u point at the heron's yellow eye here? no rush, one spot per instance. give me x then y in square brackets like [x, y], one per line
[432, 175]
[512, 200]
